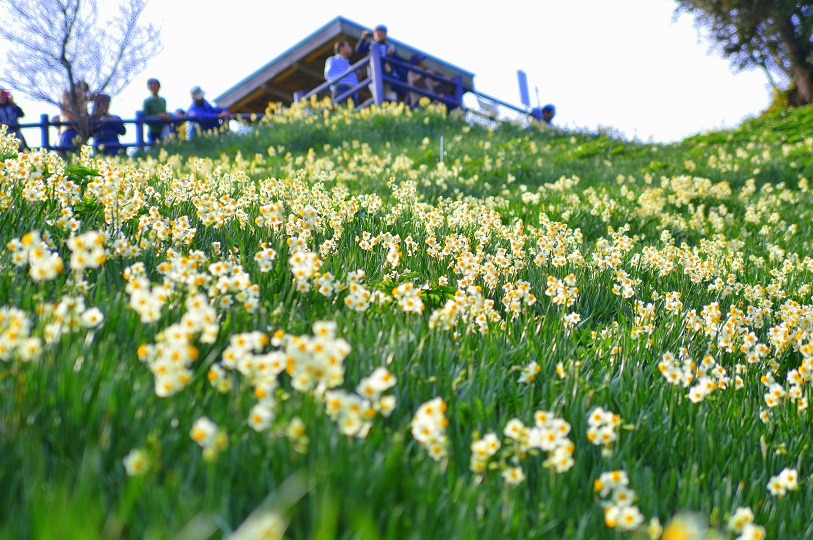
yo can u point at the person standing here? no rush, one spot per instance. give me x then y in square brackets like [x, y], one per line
[105, 127]
[205, 116]
[155, 106]
[338, 64]
[385, 49]
[379, 40]
[10, 113]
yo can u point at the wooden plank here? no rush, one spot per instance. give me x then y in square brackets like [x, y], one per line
[276, 91]
[310, 72]
[286, 74]
[325, 50]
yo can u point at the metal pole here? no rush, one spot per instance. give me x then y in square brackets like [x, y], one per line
[139, 125]
[45, 125]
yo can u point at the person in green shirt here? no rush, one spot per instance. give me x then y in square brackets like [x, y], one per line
[155, 106]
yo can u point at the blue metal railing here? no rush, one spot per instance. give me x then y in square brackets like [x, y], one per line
[375, 82]
[140, 121]
[335, 80]
[378, 77]
[456, 100]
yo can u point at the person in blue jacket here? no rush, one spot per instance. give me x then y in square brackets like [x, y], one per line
[386, 50]
[545, 114]
[10, 114]
[203, 115]
[105, 127]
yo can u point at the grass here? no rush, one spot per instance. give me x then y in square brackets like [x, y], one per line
[721, 217]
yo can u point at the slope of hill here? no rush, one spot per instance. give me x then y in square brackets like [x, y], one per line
[327, 328]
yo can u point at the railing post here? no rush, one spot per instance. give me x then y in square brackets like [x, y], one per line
[376, 74]
[458, 90]
[139, 125]
[45, 126]
[298, 96]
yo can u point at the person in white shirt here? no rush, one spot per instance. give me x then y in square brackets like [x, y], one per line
[338, 64]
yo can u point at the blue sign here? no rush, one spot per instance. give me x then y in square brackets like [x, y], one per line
[524, 95]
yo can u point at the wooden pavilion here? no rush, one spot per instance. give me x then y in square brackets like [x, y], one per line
[301, 68]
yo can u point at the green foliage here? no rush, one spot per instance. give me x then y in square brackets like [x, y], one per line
[772, 36]
[733, 203]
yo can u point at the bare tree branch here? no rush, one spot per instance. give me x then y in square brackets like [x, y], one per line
[56, 43]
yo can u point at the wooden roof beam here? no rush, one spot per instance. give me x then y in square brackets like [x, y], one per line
[321, 51]
[277, 92]
[310, 72]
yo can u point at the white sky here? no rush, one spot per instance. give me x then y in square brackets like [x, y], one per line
[624, 64]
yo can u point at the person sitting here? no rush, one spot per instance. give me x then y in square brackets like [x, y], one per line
[74, 113]
[106, 128]
[155, 106]
[420, 80]
[177, 128]
[206, 116]
[385, 49]
[338, 64]
[10, 113]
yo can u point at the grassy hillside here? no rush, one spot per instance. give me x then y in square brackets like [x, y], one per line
[325, 329]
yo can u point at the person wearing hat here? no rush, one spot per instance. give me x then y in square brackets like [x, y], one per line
[155, 106]
[379, 36]
[10, 113]
[548, 112]
[544, 114]
[385, 49]
[421, 80]
[205, 115]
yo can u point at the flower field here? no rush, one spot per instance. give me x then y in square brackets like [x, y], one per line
[327, 328]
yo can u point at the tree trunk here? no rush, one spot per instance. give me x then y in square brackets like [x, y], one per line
[804, 82]
[797, 54]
